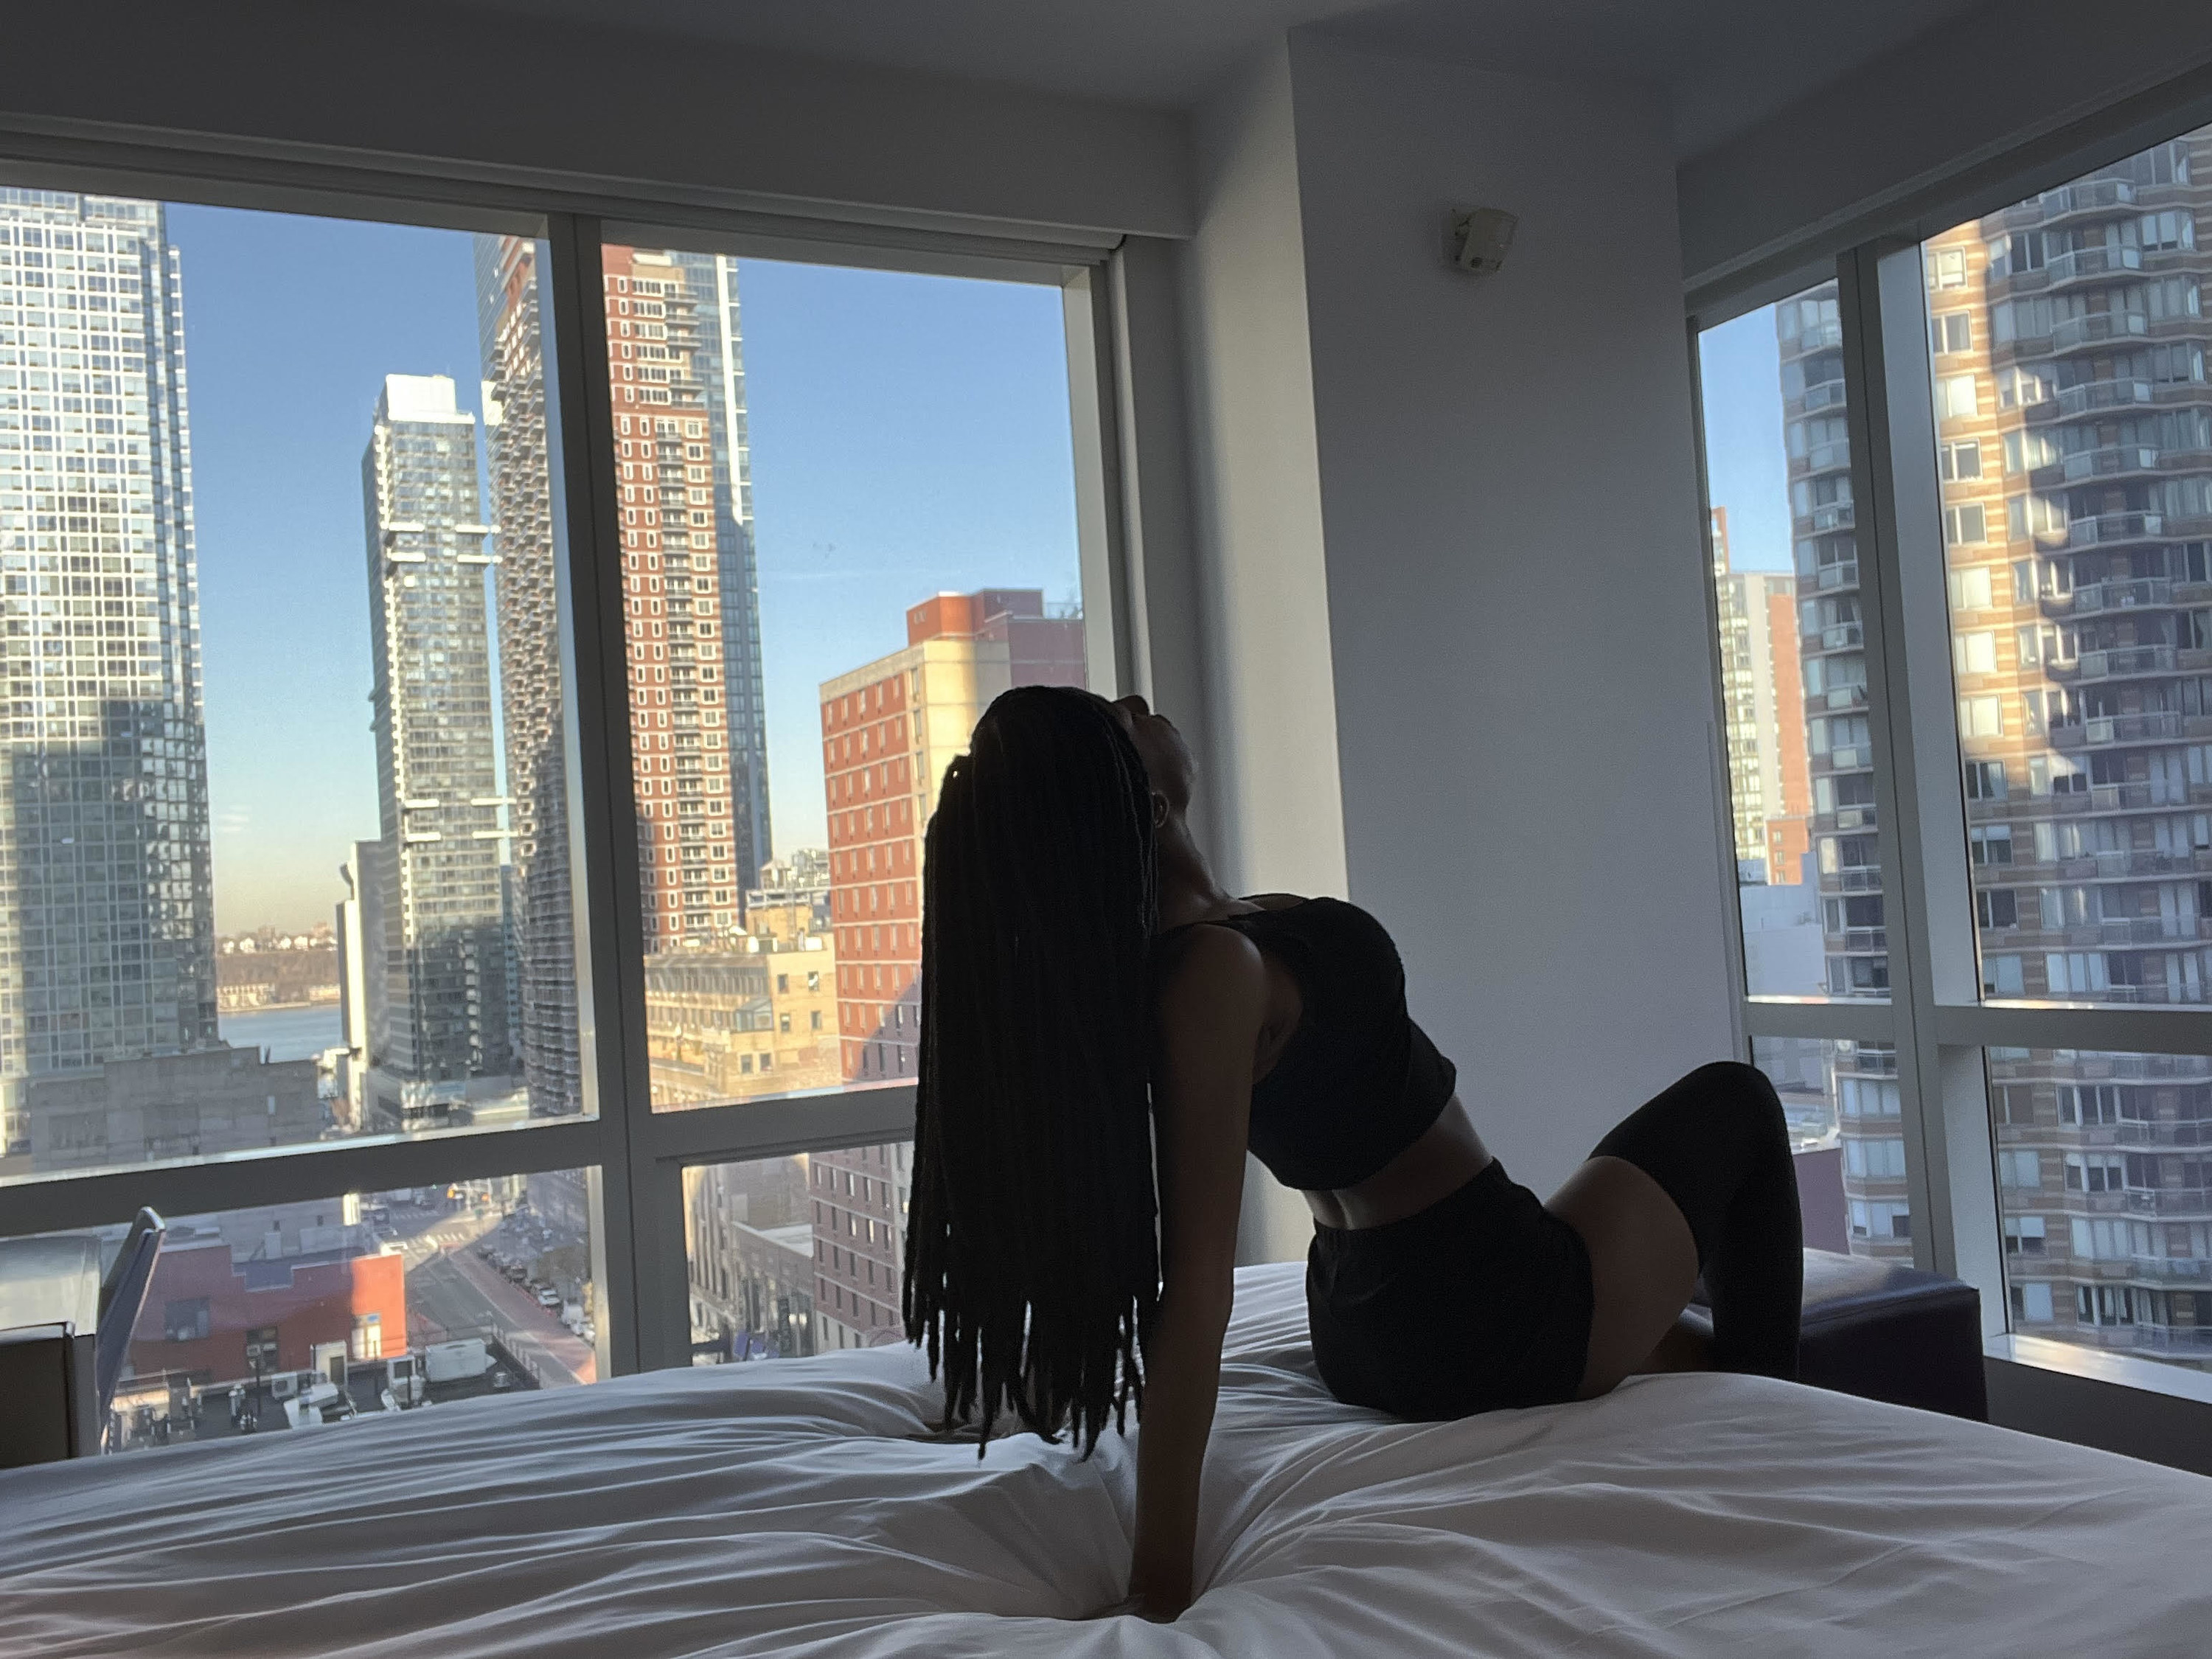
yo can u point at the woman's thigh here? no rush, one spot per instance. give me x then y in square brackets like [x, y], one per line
[1643, 1265]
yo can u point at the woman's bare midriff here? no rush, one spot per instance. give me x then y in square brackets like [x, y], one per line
[1447, 1155]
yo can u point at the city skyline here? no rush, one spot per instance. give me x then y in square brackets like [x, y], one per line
[907, 417]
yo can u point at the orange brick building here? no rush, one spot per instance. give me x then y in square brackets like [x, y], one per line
[889, 730]
[222, 1319]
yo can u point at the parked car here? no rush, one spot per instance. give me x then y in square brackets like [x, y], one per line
[549, 1298]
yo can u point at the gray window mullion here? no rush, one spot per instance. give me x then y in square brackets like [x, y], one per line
[1100, 533]
[604, 848]
[294, 1175]
[779, 1126]
[1959, 1145]
[1866, 378]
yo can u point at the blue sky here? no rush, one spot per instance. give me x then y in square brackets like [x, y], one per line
[1746, 469]
[908, 433]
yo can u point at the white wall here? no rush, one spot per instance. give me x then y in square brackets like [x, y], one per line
[1515, 637]
[405, 78]
[1263, 591]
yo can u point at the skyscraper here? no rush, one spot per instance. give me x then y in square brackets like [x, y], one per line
[698, 724]
[106, 935]
[441, 1037]
[658, 330]
[1839, 742]
[2074, 422]
[526, 587]
[710, 286]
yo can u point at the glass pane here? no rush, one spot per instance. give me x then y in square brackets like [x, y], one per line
[1847, 1128]
[292, 1316]
[1792, 652]
[914, 554]
[238, 909]
[2073, 430]
[2105, 1191]
[792, 1256]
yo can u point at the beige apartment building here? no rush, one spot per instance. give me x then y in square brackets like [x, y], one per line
[2074, 422]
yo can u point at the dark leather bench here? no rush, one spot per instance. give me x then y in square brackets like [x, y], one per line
[1886, 1332]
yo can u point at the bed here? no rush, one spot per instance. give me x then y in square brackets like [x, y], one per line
[800, 1508]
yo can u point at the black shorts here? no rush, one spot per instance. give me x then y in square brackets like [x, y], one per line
[1481, 1300]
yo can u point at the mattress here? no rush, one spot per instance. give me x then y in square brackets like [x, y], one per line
[801, 1507]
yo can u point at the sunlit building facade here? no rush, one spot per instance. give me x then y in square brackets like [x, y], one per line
[2073, 458]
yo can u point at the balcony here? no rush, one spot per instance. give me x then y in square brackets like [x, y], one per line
[2118, 595]
[1865, 940]
[2118, 728]
[1823, 458]
[1845, 574]
[2095, 196]
[2169, 1268]
[1847, 696]
[2098, 328]
[2141, 930]
[2170, 1201]
[1820, 336]
[2149, 1065]
[1831, 515]
[2107, 528]
[1844, 637]
[1854, 881]
[2094, 396]
[2113, 866]
[2083, 263]
[2110, 462]
[2126, 663]
[1824, 394]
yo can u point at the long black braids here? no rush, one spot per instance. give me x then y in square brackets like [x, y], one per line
[1032, 1263]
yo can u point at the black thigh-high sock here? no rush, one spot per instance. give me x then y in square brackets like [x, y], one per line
[1717, 1142]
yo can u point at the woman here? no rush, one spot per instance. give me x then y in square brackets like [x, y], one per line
[1091, 997]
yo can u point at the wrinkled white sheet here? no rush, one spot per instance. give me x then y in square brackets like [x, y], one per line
[794, 1509]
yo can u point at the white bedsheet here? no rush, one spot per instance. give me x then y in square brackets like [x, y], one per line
[791, 1509]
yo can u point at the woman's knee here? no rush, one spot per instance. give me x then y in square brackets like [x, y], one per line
[1745, 1092]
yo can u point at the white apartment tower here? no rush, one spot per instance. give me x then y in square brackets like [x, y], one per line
[441, 1035]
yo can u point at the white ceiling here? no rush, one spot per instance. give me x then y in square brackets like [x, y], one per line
[1728, 63]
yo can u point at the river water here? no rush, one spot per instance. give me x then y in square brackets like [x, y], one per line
[284, 1033]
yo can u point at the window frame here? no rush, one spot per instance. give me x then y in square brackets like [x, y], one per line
[1117, 308]
[1936, 1014]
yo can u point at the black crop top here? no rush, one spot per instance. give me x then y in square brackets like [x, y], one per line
[1358, 1082]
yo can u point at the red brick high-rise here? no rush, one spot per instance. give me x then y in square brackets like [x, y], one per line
[888, 732]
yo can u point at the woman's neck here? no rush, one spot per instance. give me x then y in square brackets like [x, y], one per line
[1189, 892]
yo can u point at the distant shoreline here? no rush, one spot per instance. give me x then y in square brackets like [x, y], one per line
[330, 1003]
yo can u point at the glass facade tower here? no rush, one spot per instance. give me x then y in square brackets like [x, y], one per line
[106, 928]
[438, 1003]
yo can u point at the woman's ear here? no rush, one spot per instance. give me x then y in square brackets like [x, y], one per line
[1160, 809]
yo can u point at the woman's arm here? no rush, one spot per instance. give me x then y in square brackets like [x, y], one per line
[1208, 1029]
